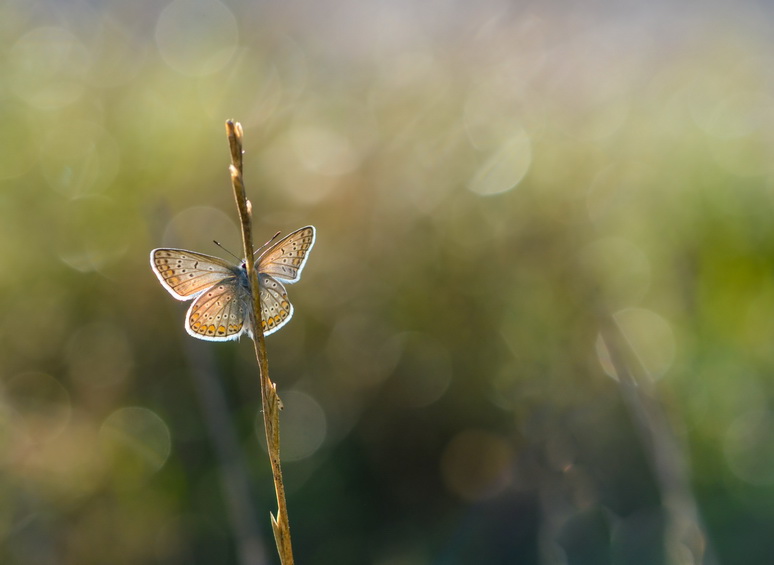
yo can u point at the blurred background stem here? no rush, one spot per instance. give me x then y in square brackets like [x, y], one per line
[234, 478]
[685, 537]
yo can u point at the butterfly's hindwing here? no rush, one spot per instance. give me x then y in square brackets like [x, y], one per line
[286, 259]
[220, 313]
[185, 273]
[276, 309]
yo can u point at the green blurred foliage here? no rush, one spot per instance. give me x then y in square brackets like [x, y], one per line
[488, 181]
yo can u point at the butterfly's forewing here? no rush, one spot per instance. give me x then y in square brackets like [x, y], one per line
[185, 273]
[220, 313]
[276, 309]
[285, 259]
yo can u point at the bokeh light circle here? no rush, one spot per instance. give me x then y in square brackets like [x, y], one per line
[475, 465]
[100, 239]
[304, 426]
[196, 227]
[749, 447]
[650, 338]
[364, 351]
[79, 158]
[324, 151]
[15, 158]
[424, 371]
[137, 441]
[40, 407]
[48, 67]
[619, 268]
[196, 37]
[615, 188]
[505, 168]
[99, 355]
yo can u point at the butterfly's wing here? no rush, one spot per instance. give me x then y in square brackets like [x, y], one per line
[221, 312]
[185, 273]
[286, 259]
[276, 309]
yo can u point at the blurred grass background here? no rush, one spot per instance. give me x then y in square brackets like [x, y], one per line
[491, 182]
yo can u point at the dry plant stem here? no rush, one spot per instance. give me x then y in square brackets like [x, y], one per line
[269, 399]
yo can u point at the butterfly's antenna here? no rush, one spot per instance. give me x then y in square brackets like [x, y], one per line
[275, 236]
[226, 250]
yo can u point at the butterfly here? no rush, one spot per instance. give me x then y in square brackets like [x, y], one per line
[222, 308]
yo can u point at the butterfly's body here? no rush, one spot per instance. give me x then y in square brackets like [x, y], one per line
[222, 307]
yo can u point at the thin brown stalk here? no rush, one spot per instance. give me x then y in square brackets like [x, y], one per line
[270, 401]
